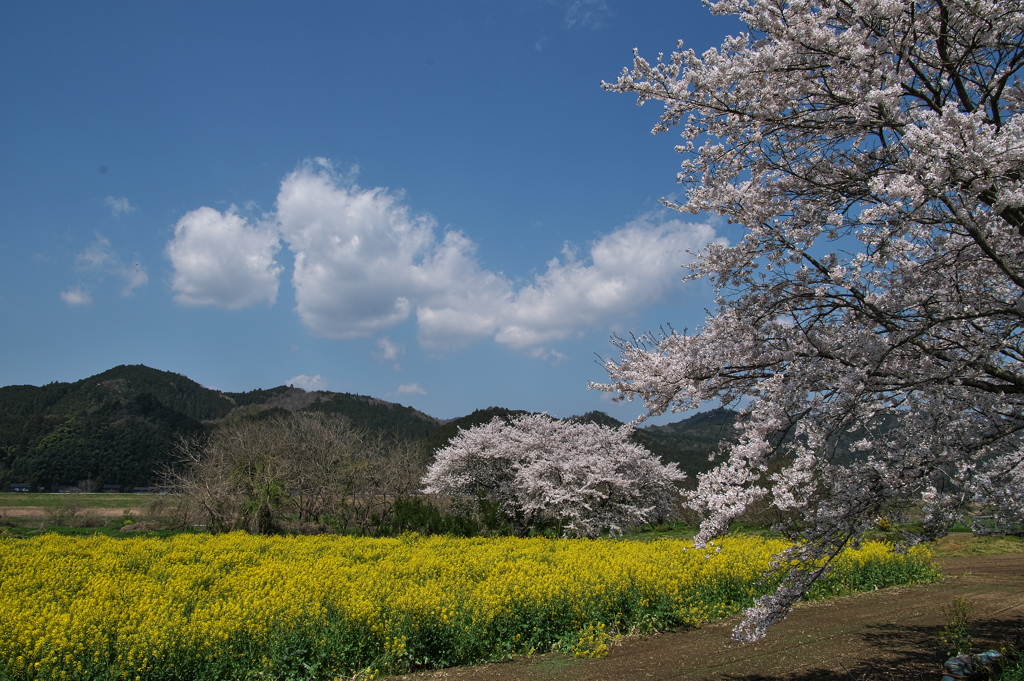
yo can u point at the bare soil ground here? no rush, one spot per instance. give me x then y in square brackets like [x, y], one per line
[880, 635]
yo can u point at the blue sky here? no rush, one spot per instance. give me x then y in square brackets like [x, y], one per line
[431, 203]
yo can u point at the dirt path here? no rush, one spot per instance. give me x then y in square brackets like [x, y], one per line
[885, 635]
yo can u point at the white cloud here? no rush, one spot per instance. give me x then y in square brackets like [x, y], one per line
[134, 276]
[555, 356]
[627, 270]
[100, 257]
[389, 351]
[357, 253]
[119, 206]
[366, 262]
[463, 302]
[220, 259]
[308, 383]
[97, 256]
[76, 296]
[410, 389]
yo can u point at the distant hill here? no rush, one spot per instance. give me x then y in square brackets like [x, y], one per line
[120, 426]
[378, 415]
[444, 433]
[688, 442]
[368, 413]
[173, 391]
[692, 440]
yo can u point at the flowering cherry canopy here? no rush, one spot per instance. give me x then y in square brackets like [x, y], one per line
[869, 323]
[589, 477]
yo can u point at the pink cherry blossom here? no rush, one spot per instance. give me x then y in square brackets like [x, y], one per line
[589, 477]
[869, 323]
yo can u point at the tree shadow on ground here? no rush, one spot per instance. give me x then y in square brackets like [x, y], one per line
[907, 653]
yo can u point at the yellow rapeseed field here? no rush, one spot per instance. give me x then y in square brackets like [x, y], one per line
[241, 606]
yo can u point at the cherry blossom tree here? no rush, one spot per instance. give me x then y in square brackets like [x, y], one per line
[869, 322]
[591, 478]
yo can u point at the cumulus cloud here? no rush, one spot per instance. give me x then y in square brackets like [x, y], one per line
[100, 257]
[119, 206]
[76, 296]
[307, 383]
[366, 262]
[626, 270]
[462, 301]
[410, 389]
[220, 259]
[356, 253]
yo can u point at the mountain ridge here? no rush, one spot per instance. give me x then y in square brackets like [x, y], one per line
[120, 426]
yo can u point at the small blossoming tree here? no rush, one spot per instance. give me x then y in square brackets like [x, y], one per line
[591, 478]
[869, 323]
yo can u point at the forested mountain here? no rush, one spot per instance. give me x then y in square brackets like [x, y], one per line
[120, 426]
[441, 435]
[688, 442]
[694, 438]
[121, 383]
[378, 415]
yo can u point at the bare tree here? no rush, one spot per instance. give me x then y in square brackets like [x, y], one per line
[392, 469]
[301, 471]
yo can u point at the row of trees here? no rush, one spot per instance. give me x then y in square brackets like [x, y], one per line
[311, 471]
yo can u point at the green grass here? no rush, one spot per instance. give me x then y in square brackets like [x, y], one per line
[94, 500]
[26, 531]
[79, 514]
[1014, 669]
[664, 531]
[965, 544]
[685, 531]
